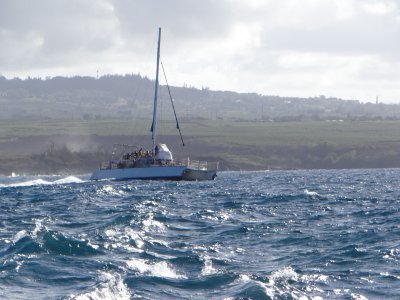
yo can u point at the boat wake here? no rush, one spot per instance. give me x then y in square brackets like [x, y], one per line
[29, 181]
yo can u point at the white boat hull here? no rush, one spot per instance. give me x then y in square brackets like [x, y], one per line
[171, 173]
[167, 173]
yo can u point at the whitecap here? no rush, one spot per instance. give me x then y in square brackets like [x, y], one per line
[159, 242]
[387, 274]
[69, 179]
[19, 265]
[286, 273]
[135, 236]
[358, 297]
[208, 268]
[224, 215]
[310, 193]
[158, 255]
[393, 254]
[24, 233]
[94, 246]
[367, 279]
[110, 232]
[109, 189]
[314, 278]
[278, 284]
[153, 225]
[269, 290]
[20, 235]
[38, 227]
[111, 287]
[120, 239]
[244, 277]
[200, 248]
[159, 269]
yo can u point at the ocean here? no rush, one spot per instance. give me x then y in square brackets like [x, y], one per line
[247, 235]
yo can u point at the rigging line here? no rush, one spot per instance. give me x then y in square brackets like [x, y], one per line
[173, 106]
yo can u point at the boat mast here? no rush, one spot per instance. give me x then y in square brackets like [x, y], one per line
[154, 124]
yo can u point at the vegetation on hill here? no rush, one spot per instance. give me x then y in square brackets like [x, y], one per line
[130, 96]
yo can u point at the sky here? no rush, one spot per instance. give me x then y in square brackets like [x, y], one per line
[348, 49]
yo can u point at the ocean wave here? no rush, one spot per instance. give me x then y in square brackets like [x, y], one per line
[244, 236]
[111, 287]
[41, 239]
[157, 269]
[282, 283]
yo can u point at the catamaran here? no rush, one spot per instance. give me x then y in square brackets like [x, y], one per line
[132, 162]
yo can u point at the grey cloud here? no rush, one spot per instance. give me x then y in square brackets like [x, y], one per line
[73, 30]
[184, 18]
[54, 29]
[369, 36]
[51, 35]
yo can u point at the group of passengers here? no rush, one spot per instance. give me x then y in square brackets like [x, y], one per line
[136, 154]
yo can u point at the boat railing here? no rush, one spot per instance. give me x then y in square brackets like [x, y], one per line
[189, 163]
[117, 164]
[105, 165]
[111, 164]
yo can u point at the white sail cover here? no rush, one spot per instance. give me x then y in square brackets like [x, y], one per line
[163, 153]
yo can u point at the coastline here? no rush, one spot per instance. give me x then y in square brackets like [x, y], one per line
[77, 154]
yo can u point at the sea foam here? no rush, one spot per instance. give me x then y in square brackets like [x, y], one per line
[41, 181]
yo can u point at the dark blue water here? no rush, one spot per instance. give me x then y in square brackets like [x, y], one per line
[256, 235]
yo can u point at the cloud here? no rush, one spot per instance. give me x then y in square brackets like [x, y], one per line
[380, 8]
[344, 48]
[182, 18]
[54, 33]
